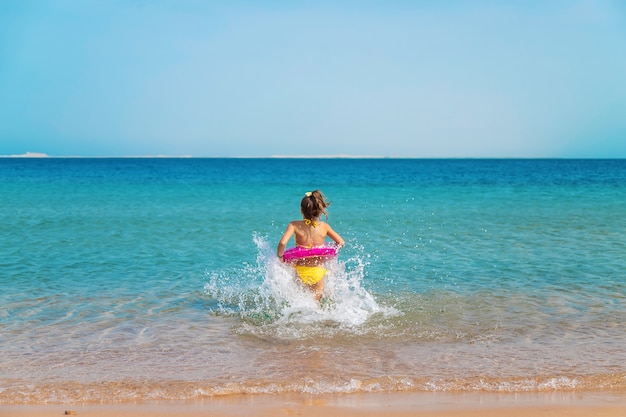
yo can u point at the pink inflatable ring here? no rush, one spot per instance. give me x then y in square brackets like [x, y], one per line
[299, 252]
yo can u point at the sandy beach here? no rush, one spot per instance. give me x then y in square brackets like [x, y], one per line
[560, 404]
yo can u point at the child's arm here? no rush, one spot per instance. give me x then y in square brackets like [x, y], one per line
[335, 236]
[282, 244]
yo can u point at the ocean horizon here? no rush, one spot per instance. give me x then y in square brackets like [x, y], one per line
[287, 156]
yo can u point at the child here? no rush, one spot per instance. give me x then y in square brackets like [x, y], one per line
[310, 232]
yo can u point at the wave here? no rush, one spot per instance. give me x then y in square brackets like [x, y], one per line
[270, 301]
[131, 390]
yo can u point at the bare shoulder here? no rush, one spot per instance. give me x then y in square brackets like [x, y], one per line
[325, 226]
[291, 225]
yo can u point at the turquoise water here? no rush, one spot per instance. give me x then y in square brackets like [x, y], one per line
[131, 279]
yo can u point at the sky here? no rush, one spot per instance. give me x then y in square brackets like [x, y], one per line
[412, 79]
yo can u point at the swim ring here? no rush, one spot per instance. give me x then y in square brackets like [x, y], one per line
[299, 252]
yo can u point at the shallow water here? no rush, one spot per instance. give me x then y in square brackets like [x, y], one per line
[130, 279]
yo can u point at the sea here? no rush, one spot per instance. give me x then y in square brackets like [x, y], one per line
[139, 279]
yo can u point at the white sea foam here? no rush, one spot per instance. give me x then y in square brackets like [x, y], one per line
[270, 299]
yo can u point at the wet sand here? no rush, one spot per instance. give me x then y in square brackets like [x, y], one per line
[559, 404]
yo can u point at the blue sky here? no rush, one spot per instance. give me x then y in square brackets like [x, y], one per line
[259, 78]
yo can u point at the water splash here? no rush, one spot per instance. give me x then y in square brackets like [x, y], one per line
[269, 300]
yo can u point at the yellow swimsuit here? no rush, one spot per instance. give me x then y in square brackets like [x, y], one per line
[310, 274]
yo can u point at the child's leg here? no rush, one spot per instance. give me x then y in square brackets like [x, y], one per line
[318, 289]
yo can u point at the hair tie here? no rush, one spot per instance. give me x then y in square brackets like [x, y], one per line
[308, 194]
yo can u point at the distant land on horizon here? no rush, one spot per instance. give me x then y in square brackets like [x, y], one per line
[338, 156]
[27, 155]
[45, 155]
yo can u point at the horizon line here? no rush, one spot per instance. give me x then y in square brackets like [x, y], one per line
[36, 155]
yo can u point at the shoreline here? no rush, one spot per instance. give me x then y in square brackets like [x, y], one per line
[564, 404]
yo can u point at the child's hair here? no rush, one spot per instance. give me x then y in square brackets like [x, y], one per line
[313, 205]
